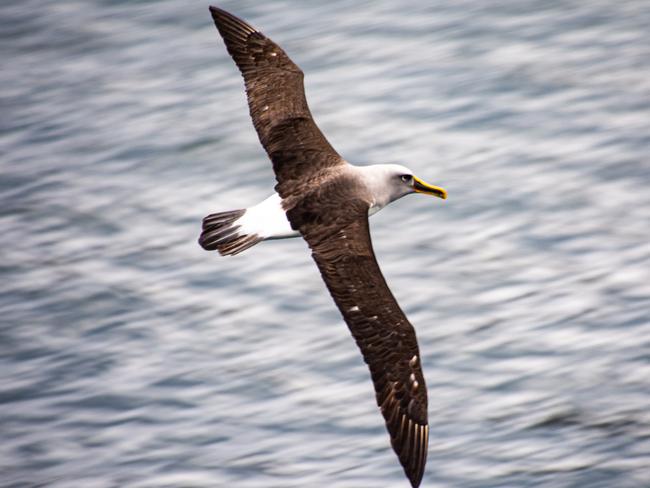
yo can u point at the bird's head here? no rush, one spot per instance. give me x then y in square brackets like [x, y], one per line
[404, 179]
[388, 182]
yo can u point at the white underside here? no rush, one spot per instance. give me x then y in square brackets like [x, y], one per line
[268, 220]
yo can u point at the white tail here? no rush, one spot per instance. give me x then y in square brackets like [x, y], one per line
[235, 231]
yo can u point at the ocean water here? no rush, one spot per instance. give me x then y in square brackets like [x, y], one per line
[130, 357]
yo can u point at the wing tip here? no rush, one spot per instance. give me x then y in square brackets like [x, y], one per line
[418, 461]
[217, 11]
[409, 439]
[224, 19]
[411, 450]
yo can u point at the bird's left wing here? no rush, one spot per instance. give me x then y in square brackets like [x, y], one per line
[346, 260]
[278, 106]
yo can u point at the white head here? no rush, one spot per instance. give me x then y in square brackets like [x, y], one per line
[388, 182]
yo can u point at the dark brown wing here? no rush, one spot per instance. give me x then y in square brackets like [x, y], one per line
[387, 340]
[277, 103]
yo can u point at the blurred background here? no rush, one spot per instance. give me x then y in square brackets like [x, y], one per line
[129, 357]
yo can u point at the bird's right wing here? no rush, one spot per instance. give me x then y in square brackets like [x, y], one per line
[277, 103]
[387, 340]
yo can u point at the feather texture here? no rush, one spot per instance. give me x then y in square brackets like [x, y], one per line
[385, 337]
[276, 100]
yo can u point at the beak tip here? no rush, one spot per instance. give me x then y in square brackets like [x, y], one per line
[440, 193]
[420, 186]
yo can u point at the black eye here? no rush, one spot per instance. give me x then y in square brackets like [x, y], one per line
[406, 178]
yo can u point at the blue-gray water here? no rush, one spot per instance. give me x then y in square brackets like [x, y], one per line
[129, 357]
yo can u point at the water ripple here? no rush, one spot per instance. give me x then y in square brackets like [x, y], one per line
[133, 358]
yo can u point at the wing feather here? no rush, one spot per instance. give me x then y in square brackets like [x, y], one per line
[277, 104]
[387, 340]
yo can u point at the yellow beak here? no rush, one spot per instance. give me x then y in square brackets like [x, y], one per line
[421, 187]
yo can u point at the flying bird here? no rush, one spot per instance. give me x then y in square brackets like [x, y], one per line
[327, 201]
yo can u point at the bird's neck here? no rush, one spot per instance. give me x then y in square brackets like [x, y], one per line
[376, 179]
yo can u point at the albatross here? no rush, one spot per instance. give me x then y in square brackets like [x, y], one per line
[327, 201]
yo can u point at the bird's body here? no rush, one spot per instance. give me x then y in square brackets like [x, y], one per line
[327, 201]
[268, 219]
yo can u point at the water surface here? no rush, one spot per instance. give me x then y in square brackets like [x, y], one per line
[132, 358]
